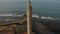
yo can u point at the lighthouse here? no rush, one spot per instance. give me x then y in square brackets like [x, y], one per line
[29, 16]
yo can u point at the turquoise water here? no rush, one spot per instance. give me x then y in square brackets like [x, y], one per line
[51, 9]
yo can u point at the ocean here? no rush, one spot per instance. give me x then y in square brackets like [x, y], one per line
[41, 8]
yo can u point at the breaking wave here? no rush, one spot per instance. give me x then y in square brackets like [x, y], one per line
[6, 14]
[34, 15]
[44, 17]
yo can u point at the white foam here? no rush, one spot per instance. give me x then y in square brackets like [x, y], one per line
[43, 17]
[6, 14]
[35, 15]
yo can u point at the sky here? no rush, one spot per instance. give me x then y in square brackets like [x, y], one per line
[47, 0]
[31, 0]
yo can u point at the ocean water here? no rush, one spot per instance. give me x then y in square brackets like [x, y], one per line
[41, 8]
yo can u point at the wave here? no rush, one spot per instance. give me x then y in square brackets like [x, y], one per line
[45, 17]
[34, 15]
[6, 14]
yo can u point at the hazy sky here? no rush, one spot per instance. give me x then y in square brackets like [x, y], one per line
[56, 1]
[48, 0]
[31, 0]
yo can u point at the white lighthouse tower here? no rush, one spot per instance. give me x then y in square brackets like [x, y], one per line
[29, 16]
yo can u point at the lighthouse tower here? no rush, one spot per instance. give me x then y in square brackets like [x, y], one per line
[29, 16]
